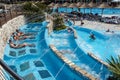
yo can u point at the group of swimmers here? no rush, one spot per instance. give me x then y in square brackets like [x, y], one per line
[92, 36]
[18, 35]
[108, 30]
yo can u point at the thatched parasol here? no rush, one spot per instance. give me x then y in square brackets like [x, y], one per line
[84, 6]
[51, 5]
[42, 1]
[65, 4]
[102, 6]
[57, 5]
[72, 5]
[91, 5]
[78, 5]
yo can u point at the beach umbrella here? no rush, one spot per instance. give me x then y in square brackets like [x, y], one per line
[66, 4]
[51, 5]
[102, 6]
[91, 5]
[57, 5]
[42, 1]
[72, 5]
[78, 5]
[85, 5]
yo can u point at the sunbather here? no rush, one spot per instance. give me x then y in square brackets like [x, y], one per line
[19, 34]
[12, 45]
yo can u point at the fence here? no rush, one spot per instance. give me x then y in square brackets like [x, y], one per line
[6, 73]
[6, 16]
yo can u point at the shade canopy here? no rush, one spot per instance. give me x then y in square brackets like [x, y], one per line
[84, 6]
[65, 4]
[57, 5]
[72, 5]
[51, 4]
[104, 5]
[78, 4]
[42, 1]
[91, 4]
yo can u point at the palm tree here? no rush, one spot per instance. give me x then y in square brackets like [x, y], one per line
[114, 67]
[58, 22]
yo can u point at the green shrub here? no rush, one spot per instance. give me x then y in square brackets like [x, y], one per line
[60, 27]
[58, 23]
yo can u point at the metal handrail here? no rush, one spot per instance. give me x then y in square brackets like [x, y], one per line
[9, 70]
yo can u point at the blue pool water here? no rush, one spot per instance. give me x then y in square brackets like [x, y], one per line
[38, 62]
[65, 42]
[93, 10]
[104, 46]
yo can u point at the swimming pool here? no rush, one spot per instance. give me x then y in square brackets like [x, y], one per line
[91, 10]
[38, 62]
[104, 46]
[65, 42]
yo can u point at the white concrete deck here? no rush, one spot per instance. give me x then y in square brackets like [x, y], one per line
[98, 25]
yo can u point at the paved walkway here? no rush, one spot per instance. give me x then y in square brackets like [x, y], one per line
[98, 25]
[8, 16]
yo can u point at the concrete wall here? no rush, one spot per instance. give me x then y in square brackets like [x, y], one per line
[7, 29]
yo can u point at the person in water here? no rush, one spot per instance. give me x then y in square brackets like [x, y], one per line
[92, 36]
[108, 30]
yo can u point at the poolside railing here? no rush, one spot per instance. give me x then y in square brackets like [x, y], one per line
[6, 73]
[10, 14]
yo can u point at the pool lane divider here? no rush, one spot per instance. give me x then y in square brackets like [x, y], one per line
[96, 58]
[71, 64]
